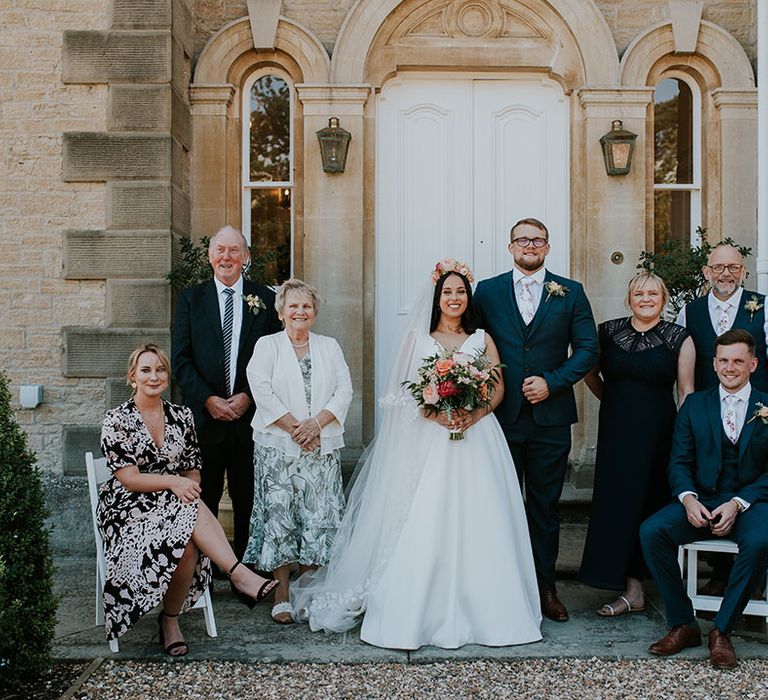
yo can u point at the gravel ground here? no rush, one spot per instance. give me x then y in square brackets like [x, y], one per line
[534, 679]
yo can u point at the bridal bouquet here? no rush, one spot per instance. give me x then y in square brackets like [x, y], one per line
[450, 381]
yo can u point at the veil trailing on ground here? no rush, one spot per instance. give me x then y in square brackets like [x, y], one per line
[379, 496]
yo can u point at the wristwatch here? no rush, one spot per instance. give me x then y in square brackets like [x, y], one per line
[739, 507]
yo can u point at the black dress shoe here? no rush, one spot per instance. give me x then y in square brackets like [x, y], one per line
[551, 606]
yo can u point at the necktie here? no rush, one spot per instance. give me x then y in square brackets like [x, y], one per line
[729, 419]
[723, 323]
[526, 300]
[226, 330]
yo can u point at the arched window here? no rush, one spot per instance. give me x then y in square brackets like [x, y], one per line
[267, 173]
[677, 159]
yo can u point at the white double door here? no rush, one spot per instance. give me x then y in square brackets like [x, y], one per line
[458, 161]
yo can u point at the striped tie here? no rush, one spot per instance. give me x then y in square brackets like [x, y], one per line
[226, 329]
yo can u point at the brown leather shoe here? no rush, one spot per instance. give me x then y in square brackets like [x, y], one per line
[678, 638]
[721, 653]
[551, 605]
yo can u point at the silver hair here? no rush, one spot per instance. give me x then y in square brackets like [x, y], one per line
[296, 285]
[228, 229]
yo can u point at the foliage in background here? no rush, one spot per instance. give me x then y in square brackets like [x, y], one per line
[680, 264]
[193, 267]
[27, 603]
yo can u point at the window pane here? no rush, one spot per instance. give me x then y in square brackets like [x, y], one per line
[270, 130]
[671, 216]
[673, 132]
[271, 233]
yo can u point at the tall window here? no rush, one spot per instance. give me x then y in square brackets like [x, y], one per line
[268, 172]
[677, 160]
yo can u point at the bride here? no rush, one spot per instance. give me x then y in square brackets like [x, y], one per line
[434, 546]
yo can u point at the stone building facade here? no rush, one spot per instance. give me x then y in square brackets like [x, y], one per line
[122, 133]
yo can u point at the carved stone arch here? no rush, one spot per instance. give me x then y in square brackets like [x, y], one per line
[570, 38]
[225, 49]
[719, 59]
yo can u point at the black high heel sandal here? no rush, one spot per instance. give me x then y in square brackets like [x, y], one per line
[174, 645]
[249, 600]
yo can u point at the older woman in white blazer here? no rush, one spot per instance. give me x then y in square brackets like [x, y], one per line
[302, 390]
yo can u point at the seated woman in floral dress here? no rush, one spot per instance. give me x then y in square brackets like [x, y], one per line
[158, 536]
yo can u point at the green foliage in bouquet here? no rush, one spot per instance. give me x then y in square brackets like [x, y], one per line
[192, 266]
[27, 603]
[680, 265]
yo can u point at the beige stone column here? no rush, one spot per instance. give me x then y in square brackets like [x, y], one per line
[738, 165]
[333, 229]
[209, 105]
[612, 212]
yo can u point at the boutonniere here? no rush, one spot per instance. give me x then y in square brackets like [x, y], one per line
[255, 304]
[761, 412]
[555, 290]
[753, 306]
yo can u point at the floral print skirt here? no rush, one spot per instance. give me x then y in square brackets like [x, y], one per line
[298, 504]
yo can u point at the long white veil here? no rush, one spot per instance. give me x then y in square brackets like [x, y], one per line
[379, 496]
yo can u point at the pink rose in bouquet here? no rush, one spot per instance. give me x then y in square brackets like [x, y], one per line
[430, 394]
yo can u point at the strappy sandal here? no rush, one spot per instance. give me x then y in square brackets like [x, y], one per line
[618, 613]
[173, 645]
[281, 609]
[249, 600]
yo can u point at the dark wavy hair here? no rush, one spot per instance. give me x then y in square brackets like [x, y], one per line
[467, 318]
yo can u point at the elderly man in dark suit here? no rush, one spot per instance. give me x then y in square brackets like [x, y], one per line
[535, 317]
[718, 471]
[217, 325]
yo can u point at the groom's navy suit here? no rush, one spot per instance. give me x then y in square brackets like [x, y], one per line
[539, 435]
[198, 365]
[704, 461]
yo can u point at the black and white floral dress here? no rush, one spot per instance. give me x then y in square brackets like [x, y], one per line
[145, 534]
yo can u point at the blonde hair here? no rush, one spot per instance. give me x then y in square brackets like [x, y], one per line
[296, 285]
[133, 362]
[641, 280]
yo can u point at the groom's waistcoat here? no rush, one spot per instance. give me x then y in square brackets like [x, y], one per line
[699, 325]
[561, 323]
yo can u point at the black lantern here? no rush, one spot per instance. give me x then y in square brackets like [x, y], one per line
[618, 145]
[334, 144]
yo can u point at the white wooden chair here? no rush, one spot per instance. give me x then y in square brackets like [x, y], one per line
[98, 473]
[712, 603]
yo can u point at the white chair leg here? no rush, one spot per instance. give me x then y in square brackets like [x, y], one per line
[114, 646]
[681, 559]
[693, 573]
[99, 598]
[210, 620]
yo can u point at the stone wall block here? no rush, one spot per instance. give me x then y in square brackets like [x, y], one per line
[117, 391]
[183, 25]
[120, 57]
[119, 254]
[181, 128]
[181, 211]
[79, 439]
[94, 156]
[138, 14]
[103, 352]
[138, 303]
[139, 108]
[138, 205]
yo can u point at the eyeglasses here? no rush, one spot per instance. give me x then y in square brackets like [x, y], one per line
[734, 268]
[524, 242]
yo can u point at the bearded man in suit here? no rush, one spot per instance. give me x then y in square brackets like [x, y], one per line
[718, 472]
[535, 317]
[217, 325]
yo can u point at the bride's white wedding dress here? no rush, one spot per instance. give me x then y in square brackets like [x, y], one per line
[434, 548]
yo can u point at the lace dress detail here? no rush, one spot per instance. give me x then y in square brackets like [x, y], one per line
[624, 335]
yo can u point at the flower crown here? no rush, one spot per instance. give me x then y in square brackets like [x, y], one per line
[447, 265]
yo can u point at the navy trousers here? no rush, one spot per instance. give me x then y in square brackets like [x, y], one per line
[663, 532]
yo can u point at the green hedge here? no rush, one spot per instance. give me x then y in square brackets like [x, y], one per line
[27, 603]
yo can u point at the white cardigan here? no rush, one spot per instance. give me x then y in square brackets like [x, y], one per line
[277, 386]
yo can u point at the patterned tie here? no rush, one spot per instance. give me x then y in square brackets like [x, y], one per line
[226, 329]
[723, 323]
[729, 419]
[526, 300]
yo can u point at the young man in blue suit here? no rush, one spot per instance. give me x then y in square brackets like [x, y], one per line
[535, 317]
[213, 337]
[718, 471]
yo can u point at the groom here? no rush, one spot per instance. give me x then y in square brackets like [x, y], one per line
[534, 317]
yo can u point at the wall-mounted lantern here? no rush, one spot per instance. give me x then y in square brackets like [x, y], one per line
[618, 145]
[334, 144]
